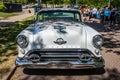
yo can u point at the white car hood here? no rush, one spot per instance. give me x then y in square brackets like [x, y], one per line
[49, 35]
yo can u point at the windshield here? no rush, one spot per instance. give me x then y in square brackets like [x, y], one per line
[59, 15]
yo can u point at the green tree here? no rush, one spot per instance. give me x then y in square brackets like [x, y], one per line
[2, 7]
[96, 3]
[21, 1]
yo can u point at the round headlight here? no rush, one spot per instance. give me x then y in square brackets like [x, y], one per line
[97, 41]
[22, 41]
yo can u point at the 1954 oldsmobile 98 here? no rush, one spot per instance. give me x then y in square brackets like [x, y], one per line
[59, 38]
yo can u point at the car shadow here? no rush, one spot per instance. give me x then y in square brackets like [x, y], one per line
[63, 72]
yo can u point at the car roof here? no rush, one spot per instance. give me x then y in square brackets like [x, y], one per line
[58, 9]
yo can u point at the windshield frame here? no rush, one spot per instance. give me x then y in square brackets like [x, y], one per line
[71, 11]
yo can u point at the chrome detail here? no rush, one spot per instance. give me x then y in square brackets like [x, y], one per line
[22, 41]
[85, 57]
[22, 51]
[65, 51]
[49, 64]
[60, 57]
[97, 51]
[60, 41]
[97, 41]
[34, 58]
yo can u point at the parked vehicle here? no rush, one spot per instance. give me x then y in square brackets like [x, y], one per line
[24, 6]
[59, 38]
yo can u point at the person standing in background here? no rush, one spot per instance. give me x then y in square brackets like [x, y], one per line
[102, 14]
[112, 15]
[88, 14]
[94, 11]
[107, 13]
[98, 15]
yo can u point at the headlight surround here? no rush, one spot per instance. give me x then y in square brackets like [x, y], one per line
[97, 41]
[22, 41]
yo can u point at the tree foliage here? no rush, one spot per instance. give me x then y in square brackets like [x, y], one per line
[2, 7]
[97, 3]
[20, 1]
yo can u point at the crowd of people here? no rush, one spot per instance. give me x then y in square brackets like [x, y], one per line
[105, 14]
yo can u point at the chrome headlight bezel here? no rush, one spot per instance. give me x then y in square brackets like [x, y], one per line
[22, 41]
[97, 41]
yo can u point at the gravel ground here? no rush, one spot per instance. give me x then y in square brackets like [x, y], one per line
[110, 52]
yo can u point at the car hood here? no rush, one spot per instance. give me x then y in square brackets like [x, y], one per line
[59, 34]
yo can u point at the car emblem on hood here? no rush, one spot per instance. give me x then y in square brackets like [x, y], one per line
[60, 41]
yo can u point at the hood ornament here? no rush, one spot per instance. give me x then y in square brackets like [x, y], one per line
[60, 41]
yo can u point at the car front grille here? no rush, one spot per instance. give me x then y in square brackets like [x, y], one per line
[60, 57]
[63, 56]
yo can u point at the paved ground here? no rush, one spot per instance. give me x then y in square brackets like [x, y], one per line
[111, 54]
[22, 15]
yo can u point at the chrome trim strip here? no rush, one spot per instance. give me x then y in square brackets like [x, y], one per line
[89, 64]
[60, 50]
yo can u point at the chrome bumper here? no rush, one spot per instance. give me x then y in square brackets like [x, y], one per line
[60, 64]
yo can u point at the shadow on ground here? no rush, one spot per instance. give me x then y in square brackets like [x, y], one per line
[93, 74]
[8, 33]
[113, 74]
[5, 23]
[63, 72]
[110, 41]
[101, 28]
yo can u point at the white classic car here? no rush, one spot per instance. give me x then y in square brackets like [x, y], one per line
[59, 38]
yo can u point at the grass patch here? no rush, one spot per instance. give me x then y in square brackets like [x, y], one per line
[6, 15]
[9, 33]
[8, 47]
[5, 66]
